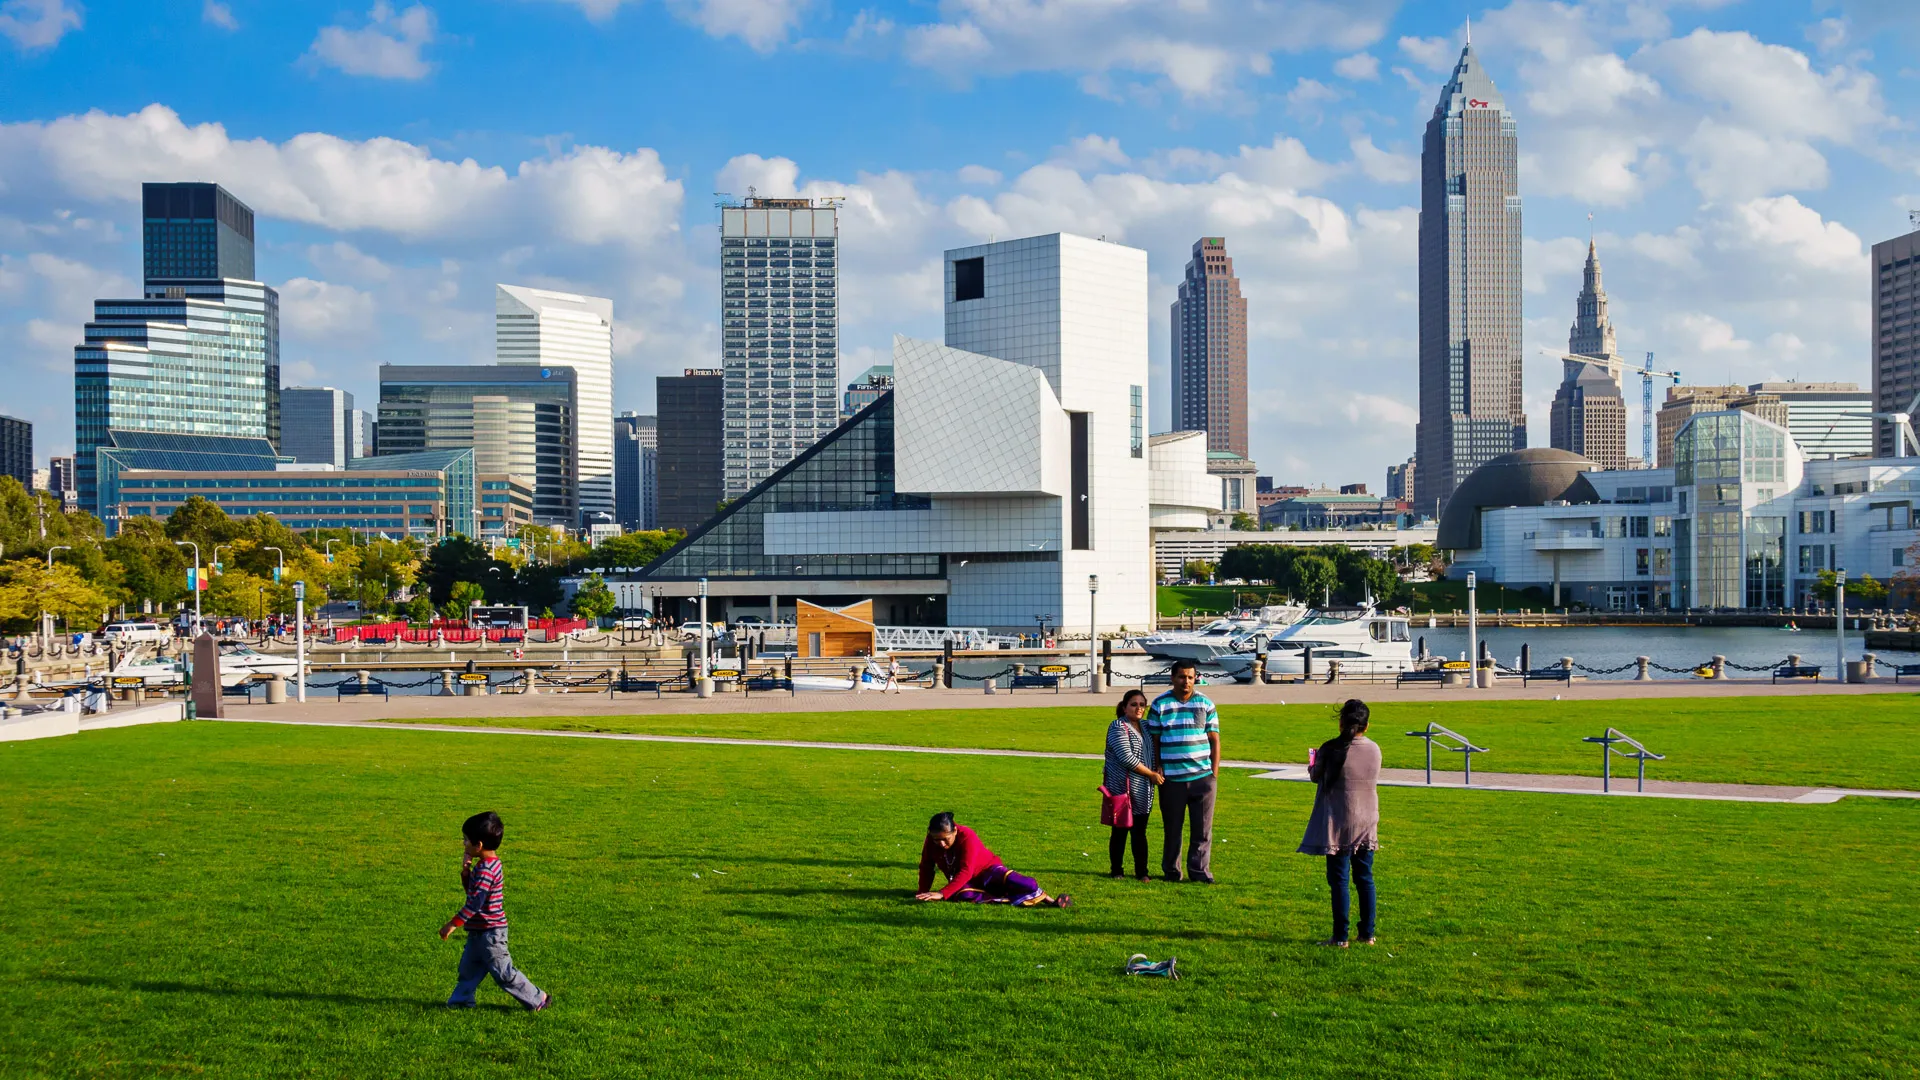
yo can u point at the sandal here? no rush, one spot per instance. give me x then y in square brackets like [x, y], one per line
[1063, 901]
[1332, 943]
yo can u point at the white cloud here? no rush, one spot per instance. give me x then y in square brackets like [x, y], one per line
[1806, 239]
[320, 309]
[214, 13]
[978, 174]
[38, 24]
[1360, 67]
[1729, 162]
[1381, 165]
[1769, 87]
[1308, 95]
[761, 24]
[1091, 151]
[1199, 49]
[1377, 409]
[589, 195]
[1434, 53]
[388, 47]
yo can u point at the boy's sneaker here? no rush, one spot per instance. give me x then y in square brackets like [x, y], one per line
[456, 1004]
[545, 1000]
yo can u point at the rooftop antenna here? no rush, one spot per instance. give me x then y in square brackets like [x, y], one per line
[1469, 30]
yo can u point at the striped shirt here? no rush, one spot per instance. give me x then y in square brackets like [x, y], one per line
[1126, 747]
[1179, 730]
[486, 895]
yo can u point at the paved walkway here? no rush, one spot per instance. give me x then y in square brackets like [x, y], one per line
[322, 704]
[1267, 770]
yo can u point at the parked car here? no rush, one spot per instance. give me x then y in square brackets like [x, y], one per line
[636, 622]
[136, 633]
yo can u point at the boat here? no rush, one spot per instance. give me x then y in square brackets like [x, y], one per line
[238, 664]
[1364, 642]
[873, 677]
[1222, 636]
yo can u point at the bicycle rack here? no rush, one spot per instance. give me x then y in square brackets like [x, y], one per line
[1466, 748]
[1640, 754]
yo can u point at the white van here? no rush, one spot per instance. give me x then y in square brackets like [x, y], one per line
[137, 633]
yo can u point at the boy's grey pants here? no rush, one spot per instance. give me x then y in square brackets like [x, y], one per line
[486, 954]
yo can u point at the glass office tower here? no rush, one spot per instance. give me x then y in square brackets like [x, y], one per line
[199, 352]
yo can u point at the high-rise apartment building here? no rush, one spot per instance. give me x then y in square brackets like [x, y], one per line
[16, 450]
[1896, 332]
[316, 425]
[62, 479]
[1400, 481]
[1210, 349]
[520, 420]
[690, 476]
[1826, 419]
[1589, 415]
[199, 352]
[780, 330]
[546, 329]
[1470, 336]
[360, 441]
[636, 452]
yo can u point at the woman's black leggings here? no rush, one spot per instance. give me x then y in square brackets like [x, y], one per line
[1117, 845]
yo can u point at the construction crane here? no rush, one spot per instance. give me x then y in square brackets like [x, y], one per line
[1647, 374]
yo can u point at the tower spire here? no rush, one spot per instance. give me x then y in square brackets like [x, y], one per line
[1469, 31]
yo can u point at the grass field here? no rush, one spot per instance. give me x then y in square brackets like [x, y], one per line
[1814, 740]
[236, 900]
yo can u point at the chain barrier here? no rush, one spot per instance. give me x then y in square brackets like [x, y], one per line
[1008, 670]
[313, 685]
[1782, 662]
[585, 680]
[1611, 670]
[1708, 665]
[1879, 663]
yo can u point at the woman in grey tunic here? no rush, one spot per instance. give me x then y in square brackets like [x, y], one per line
[1127, 771]
[1346, 818]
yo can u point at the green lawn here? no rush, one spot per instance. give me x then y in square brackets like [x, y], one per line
[1175, 600]
[237, 900]
[1848, 741]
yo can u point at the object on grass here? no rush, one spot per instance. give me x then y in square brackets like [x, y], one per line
[1138, 964]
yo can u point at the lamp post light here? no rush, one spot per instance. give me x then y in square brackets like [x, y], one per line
[1840, 623]
[196, 581]
[46, 617]
[1473, 631]
[329, 546]
[215, 565]
[706, 682]
[280, 570]
[1093, 635]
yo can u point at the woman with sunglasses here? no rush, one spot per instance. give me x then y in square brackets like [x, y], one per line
[1127, 773]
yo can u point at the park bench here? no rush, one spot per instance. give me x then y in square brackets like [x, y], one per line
[1547, 674]
[1035, 682]
[766, 684]
[240, 689]
[376, 640]
[631, 684]
[1797, 671]
[1158, 678]
[1432, 675]
[1905, 669]
[356, 688]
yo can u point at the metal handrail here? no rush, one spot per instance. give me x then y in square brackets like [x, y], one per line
[1640, 754]
[1466, 748]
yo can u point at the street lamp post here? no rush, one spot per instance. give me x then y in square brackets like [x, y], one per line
[46, 617]
[1473, 631]
[329, 547]
[215, 565]
[196, 580]
[1840, 623]
[281, 570]
[706, 683]
[1093, 636]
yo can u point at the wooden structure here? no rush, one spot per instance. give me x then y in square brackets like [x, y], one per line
[831, 631]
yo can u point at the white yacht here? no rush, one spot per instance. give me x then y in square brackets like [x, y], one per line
[1222, 637]
[238, 663]
[1364, 642]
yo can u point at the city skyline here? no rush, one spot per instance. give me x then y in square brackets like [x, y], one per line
[1743, 269]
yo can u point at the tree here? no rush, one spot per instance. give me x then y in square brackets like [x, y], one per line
[1866, 590]
[1245, 522]
[203, 523]
[28, 587]
[1314, 575]
[593, 600]
[634, 549]
[1383, 581]
[1197, 570]
[450, 562]
[420, 609]
[152, 568]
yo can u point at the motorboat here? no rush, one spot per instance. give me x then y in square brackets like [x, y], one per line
[1364, 642]
[872, 677]
[1221, 636]
[238, 664]
[236, 656]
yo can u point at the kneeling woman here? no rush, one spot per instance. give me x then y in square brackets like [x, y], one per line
[974, 874]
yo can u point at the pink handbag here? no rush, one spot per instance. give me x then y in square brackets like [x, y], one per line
[1116, 810]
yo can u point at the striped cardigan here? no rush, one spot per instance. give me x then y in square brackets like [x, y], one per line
[1126, 747]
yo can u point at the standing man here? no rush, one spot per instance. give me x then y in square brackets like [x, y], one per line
[1184, 728]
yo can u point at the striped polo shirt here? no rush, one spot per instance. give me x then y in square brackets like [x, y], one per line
[486, 889]
[1179, 729]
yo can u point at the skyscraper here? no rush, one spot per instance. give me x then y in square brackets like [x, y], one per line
[1210, 349]
[1470, 361]
[519, 420]
[360, 441]
[779, 318]
[315, 425]
[636, 447]
[690, 478]
[16, 450]
[552, 329]
[1896, 331]
[199, 352]
[1589, 414]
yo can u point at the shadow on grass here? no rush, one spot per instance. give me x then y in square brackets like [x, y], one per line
[710, 858]
[829, 891]
[156, 987]
[1028, 921]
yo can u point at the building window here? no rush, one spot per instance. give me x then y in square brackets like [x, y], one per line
[969, 279]
[1082, 510]
[1137, 418]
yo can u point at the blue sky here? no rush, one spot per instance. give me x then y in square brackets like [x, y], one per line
[1738, 159]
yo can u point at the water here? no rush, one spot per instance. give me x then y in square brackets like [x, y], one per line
[1591, 648]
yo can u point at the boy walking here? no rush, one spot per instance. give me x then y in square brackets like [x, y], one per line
[485, 920]
[1185, 730]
